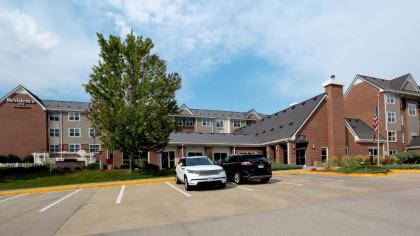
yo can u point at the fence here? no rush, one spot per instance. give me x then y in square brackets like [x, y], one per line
[17, 165]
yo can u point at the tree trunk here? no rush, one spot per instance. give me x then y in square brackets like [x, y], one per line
[131, 162]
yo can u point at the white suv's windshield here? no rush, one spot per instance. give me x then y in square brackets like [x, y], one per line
[197, 162]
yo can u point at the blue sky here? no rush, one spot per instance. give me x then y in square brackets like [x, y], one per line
[232, 55]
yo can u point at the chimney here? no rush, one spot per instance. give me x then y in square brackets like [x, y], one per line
[335, 118]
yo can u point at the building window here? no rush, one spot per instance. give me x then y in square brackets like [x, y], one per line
[391, 117]
[373, 152]
[250, 122]
[92, 133]
[247, 153]
[218, 157]
[392, 136]
[54, 116]
[324, 154]
[194, 154]
[74, 132]
[390, 98]
[236, 123]
[74, 116]
[179, 121]
[189, 122]
[74, 147]
[347, 151]
[54, 147]
[94, 148]
[219, 123]
[206, 122]
[412, 109]
[392, 152]
[54, 132]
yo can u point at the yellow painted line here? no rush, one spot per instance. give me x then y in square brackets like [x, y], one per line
[85, 186]
[405, 171]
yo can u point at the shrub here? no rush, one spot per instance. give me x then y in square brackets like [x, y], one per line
[285, 167]
[92, 166]
[2, 159]
[403, 167]
[142, 164]
[11, 158]
[391, 160]
[363, 169]
[20, 171]
[408, 157]
[28, 159]
[330, 164]
[352, 162]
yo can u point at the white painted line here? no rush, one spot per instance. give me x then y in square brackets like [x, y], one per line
[236, 186]
[60, 200]
[120, 195]
[179, 190]
[10, 198]
[289, 183]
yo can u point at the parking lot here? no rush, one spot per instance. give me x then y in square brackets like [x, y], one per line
[288, 204]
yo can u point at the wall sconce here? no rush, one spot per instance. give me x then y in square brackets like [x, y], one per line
[313, 146]
[277, 148]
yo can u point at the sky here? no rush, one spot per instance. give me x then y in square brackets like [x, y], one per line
[232, 55]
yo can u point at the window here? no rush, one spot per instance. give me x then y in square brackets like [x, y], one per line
[324, 154]
[206, 122]
[390, 98]
[92, 133]
[391, 117]
[392, 136]
[54, 147]
[74, 132]
[194, 154]
[74, 147]
[189, 122]
[392, 152]
[373, 152]
[54, 116]
[219, 156]
[179, 121]
[347, 151]
[247, 153]
[219, 123]
[236, 123]
[54, 132]
[412, 109]
[74, 116]
[95, 148]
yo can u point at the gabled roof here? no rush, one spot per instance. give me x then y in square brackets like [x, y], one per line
[395, 85]
[219, 114]
[21, 89]
[283, 124]
[212, 139]
[186, 109]
[66, 105]
[414, 143]
[360, 130]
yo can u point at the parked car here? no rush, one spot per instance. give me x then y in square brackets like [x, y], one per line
[240, 168]
[194, 171]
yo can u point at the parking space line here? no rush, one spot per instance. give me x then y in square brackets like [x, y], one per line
[10, 198]
[120, 195]
[289, 183]
[179, 190]
[309, 177]
[243, 188]
[60, 200]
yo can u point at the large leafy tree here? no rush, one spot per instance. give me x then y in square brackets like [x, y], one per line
[132, 95]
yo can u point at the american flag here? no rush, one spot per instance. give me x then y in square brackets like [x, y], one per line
[375, 125]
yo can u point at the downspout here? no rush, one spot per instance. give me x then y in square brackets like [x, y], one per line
[386, 123]
[61, 134]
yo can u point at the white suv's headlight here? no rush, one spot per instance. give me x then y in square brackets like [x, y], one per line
[193, 171]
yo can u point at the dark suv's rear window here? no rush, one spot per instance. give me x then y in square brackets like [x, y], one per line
[253, 158]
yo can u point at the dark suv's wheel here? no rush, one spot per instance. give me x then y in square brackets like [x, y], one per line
[265, 180]
[237, 178]
[187, 186]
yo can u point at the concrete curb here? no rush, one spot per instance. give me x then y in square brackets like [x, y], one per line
[85, 186]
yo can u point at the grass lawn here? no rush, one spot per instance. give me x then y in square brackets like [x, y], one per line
[64, 178]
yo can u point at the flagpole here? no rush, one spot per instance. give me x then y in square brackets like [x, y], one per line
[379, 134]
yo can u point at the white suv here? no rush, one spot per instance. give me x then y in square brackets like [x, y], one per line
[193, 171]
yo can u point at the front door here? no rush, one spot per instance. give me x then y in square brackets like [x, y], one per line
[168, 160]
[300, 156]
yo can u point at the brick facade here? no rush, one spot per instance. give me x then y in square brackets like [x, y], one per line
[23, 129]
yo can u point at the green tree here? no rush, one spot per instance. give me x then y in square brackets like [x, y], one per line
[132, 96]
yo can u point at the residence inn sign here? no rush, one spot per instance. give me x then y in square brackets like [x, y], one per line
[20, 102]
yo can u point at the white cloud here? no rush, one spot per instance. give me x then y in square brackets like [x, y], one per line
[311, 40]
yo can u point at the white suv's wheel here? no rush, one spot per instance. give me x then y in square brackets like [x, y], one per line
[187, 186]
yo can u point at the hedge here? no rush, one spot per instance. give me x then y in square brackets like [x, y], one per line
[363, 169]
[285, 167]
[408, 157]
[402, 167]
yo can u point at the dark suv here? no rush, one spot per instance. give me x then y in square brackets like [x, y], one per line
[247, 167]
